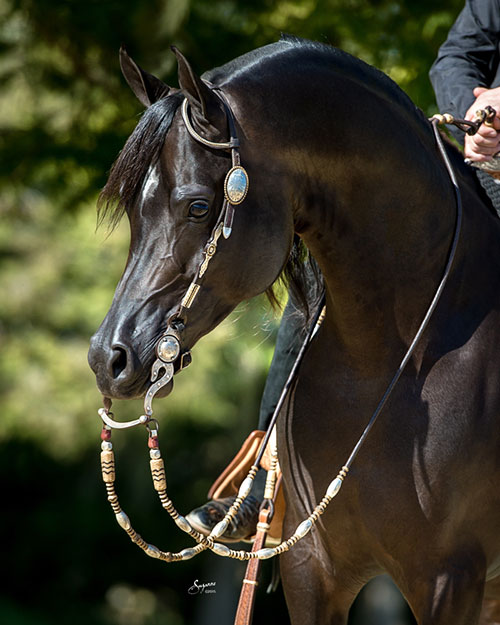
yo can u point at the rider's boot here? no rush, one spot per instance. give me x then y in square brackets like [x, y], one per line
[223, 493]
[243, 526]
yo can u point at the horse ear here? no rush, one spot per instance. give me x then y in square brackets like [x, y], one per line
[205, 105]
[147, 88]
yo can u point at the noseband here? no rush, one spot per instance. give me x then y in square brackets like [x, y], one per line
[168, 348]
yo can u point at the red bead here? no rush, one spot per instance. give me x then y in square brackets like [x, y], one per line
[105, 434]
[153, 442]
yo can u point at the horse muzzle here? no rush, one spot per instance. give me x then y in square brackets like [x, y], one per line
[117, 369]
[121, 375]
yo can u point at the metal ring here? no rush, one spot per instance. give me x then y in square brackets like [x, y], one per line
[152, 425]
[267, 504]
[189, 127]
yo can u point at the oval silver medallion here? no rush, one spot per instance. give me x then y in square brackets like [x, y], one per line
[236, 185]
[168, 348]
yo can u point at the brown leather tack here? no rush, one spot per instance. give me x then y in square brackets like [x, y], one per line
[246, 604]
[230, 479]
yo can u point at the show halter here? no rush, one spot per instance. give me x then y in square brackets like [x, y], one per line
[168, 351]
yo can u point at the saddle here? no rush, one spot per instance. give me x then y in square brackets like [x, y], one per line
[229, 481]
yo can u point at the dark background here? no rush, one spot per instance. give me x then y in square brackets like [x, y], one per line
[65, 112]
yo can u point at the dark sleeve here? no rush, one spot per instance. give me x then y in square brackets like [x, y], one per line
[291, 334]
[468, 58]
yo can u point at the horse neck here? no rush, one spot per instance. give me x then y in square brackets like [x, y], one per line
[381, 267]
[376, 209]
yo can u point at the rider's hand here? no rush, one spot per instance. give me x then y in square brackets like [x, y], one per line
[486, 142]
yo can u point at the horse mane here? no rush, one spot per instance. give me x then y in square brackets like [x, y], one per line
[302, 278]
[372, 78]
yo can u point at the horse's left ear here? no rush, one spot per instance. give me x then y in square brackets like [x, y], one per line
[206, 107]
[147, 88]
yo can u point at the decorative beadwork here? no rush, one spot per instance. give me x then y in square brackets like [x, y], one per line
[191, 293]
[210, 250]
[108, 465]
[158, 474]
[271, 477]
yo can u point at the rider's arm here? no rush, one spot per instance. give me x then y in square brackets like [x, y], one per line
[486, 142]
[469, 58]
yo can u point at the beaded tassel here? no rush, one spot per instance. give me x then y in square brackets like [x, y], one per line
[108, 476]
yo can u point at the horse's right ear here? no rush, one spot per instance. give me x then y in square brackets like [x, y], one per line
[147, 88]
[206, 107]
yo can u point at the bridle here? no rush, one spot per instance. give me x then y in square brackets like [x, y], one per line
[168, 351]
[168, 348]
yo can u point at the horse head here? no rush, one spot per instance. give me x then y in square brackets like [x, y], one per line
[170, 183]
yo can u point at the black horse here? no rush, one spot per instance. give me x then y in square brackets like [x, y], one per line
[339, 157]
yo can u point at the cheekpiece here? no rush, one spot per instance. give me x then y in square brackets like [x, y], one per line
[236, 185]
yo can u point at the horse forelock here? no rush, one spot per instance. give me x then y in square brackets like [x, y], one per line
[141, 150]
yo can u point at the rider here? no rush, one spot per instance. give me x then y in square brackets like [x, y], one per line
[465, 77]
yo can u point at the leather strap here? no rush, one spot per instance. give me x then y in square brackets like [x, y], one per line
[230, 479]
[244, 613]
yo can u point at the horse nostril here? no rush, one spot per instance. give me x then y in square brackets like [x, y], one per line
[119, 360]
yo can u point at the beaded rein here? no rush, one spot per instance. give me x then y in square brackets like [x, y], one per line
[158, 475]
[204, 542]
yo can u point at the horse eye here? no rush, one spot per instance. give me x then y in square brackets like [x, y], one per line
[198, 209]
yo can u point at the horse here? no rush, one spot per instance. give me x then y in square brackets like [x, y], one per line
[341, 161]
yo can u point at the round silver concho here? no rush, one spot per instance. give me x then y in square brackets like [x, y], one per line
[236, 185]
[168, 349]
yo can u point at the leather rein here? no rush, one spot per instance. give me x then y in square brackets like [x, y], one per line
[168, 352]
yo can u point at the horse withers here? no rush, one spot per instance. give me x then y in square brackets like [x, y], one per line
[337, 155]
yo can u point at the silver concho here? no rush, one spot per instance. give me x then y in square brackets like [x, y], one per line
[236, 185]
[168, 348]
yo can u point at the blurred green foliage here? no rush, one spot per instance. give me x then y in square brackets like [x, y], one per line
[65, 113]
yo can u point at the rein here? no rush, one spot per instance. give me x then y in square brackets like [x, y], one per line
[168, 351]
